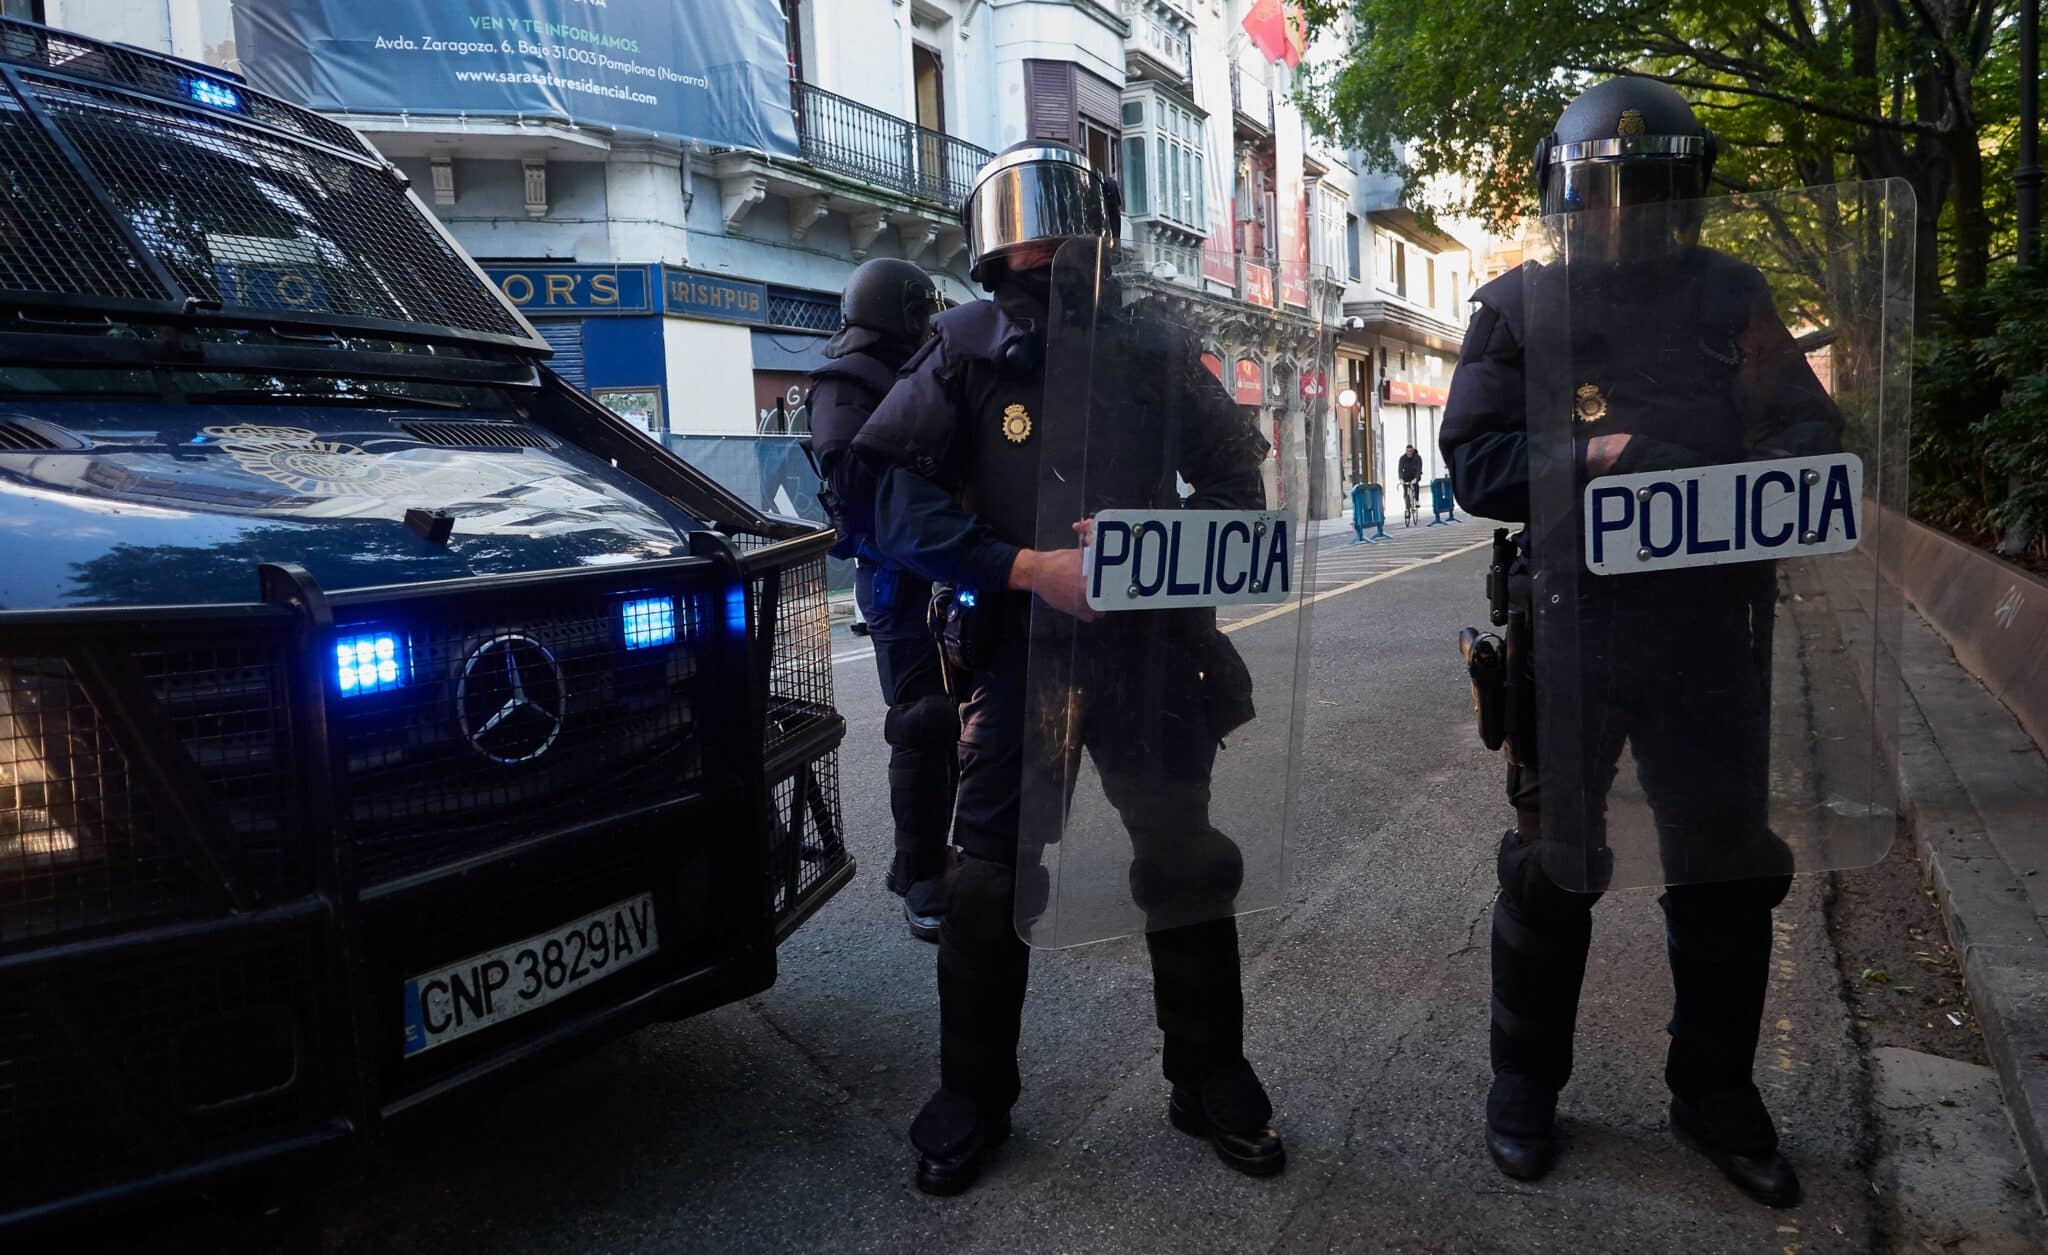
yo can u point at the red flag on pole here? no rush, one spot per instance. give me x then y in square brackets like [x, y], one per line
[1278, 30]
[1266, 24]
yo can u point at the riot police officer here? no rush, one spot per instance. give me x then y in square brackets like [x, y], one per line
[957, 449]
[1685, 363]
[885, 314]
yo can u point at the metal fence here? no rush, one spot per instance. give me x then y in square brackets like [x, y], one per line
[770, 472]
[850, 138]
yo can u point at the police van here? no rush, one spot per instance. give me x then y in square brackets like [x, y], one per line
[378, 715]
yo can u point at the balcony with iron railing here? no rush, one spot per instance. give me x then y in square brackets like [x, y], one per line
[860, 142]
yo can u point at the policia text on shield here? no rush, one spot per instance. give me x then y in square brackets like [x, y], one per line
[1678, 693]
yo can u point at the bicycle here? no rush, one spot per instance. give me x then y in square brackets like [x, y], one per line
[1411, 493]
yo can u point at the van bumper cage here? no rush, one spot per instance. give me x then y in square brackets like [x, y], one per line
[220, 861]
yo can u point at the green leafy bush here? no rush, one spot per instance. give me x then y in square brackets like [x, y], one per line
[1980, 411]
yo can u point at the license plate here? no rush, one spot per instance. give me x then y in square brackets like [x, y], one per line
[1165, 559]
[494, 986]
[1713, 515]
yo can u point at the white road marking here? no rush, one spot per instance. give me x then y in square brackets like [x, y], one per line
[1352, 587]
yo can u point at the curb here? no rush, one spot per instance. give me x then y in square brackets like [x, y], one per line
[1975, 794]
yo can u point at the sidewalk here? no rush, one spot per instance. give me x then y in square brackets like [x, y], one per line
[1974, 789]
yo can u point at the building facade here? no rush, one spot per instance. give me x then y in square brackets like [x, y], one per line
[1408, 283]
[692, 287]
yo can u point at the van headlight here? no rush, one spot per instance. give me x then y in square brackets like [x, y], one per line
[39, 825]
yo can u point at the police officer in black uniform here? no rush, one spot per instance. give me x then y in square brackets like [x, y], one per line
[1686, 364]
[957, 450]
[885, 315]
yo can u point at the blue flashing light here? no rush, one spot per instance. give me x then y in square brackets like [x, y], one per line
[370, 662]
[649, 621]
[216, 95]
[966, 598]
[736, 610]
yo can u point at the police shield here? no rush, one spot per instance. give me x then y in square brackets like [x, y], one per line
[1163, 721]
[1717, 407]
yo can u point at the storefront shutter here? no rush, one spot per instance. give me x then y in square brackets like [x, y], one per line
[565, 335]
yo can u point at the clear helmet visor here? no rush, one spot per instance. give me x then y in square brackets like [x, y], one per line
[1591, 195]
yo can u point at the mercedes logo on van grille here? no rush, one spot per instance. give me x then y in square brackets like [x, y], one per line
[509, 699]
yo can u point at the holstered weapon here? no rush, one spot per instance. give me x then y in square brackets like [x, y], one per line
[1504, 671]
[1484, 661]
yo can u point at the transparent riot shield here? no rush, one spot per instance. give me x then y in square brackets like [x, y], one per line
[1717, 408]
[1163, 721]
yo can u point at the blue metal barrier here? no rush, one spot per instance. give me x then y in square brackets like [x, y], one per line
[1368, 509]
[1440, 501]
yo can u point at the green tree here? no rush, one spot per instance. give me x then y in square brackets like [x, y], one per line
[1801, 92]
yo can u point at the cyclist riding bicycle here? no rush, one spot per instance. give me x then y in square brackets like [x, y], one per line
[1410, 469]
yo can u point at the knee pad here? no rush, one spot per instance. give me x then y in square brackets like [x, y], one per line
[981, 899]
[1527, 890]
[1201, 874]
[1718, 903]
[931, 722]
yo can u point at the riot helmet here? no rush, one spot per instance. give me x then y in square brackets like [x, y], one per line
[1624, 145]
[887, 302]
[1032, 192]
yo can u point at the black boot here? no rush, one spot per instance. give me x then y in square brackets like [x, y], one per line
[1734, 1131]
[924, 908]
[1231, 1110]
[953, 1137]
[1521, 1127]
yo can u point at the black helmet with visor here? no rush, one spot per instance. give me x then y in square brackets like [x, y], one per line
[1037, 190]
[1623, 144]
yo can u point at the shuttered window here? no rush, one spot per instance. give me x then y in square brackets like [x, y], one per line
[565, 336]
[1059, 96]
[1049, 99]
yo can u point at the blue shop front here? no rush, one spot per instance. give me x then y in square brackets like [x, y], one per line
[677, 350]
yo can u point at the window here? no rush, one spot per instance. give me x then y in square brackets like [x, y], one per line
[930, 85]
[1331, 218]
[1165, 133]
[1383, 261]
[1429, 268]
[1065, 102]
[1351, 246]
[1401, 275]
[1137, 186]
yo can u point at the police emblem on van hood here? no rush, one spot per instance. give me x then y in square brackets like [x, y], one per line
[1016, 424]
[1591, 406]
[297, 458]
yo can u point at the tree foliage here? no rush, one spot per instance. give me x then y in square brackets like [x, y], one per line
[1980, 420]
[1800, 92]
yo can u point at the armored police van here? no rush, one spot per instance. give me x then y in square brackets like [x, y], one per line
[378, 715]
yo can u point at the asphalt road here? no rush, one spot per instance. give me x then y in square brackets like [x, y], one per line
[779, 1124]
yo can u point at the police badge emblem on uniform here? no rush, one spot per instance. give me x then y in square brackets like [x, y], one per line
[1016, 423]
